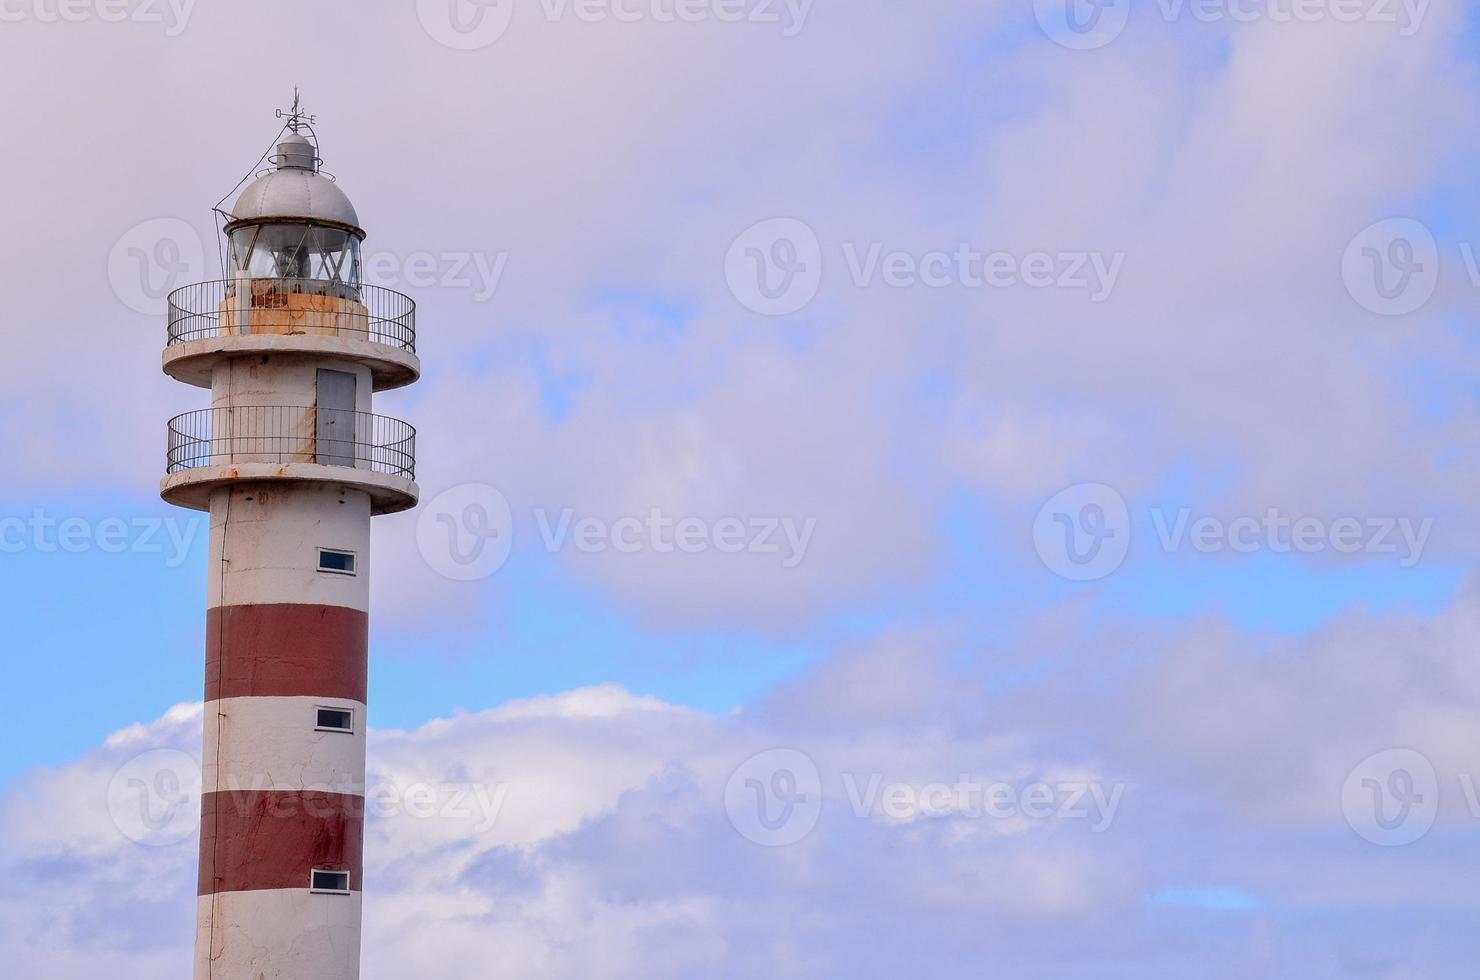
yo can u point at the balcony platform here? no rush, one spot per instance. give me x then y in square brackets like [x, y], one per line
[211, 322]
[192, 361]
[192, 487]
[215, 447]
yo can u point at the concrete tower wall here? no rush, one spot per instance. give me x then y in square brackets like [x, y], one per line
[283, 798]
[277, 531]
[282, 379]
[314, 935]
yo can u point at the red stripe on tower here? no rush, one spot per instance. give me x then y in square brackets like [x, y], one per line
[287, 651]
[254, 840]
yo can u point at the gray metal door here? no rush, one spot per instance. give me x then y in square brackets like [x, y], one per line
[336, 418]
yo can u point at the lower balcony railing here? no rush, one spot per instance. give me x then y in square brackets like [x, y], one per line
[281, 435]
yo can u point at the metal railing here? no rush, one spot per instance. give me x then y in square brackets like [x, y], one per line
[291, 307]
[281, 434]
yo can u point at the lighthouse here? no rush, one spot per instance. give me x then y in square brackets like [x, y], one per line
[291, 462]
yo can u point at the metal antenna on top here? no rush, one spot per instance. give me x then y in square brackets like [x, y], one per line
[297, 118]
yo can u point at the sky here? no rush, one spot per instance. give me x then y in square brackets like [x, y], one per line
[966, 487]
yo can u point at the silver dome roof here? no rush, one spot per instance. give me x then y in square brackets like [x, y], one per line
[295, 189]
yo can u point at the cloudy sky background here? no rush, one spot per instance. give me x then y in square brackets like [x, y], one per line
[610, 707]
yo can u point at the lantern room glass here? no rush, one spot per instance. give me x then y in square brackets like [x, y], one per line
[285, 250]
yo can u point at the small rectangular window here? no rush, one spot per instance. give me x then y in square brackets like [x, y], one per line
[338, 562]
[329, 882]
[335, 720]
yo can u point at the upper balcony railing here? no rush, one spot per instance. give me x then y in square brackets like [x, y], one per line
[281, 435]
[292, 307]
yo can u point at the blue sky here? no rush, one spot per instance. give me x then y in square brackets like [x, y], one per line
[140, 646]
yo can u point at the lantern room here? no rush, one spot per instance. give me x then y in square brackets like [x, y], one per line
[292, 285]
[293, 222]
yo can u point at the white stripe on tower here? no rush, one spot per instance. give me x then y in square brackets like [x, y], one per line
[315, 932]
[273, 743]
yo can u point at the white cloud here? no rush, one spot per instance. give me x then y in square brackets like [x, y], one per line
[612, 853]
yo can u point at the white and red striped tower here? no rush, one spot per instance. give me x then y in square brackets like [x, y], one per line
[291, 463]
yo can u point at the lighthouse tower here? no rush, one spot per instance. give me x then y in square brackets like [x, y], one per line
[291, 463]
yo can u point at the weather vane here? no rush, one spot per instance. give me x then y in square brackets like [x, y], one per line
[297, 118]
